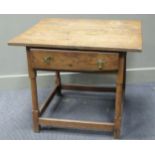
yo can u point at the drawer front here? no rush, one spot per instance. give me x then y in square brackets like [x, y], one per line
[73, 60]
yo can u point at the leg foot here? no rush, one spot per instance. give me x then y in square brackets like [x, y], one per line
[116, 133]
[36, 126]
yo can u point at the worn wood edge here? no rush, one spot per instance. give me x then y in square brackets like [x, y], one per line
[11, 43]
[90, 125]
[88, 88]
[44, 106]
[46, 49]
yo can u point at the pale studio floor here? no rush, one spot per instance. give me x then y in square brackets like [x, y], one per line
[138, 114]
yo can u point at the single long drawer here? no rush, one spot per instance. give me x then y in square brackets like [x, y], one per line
[73, 60]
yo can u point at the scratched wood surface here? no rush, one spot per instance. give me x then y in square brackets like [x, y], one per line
[112, 35]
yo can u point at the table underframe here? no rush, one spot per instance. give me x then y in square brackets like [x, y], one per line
[119, 90]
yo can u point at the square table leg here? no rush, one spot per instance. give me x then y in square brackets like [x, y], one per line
[35, 107]
[119, 95]
[124, 76]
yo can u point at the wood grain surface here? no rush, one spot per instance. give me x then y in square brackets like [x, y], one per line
[116, 35]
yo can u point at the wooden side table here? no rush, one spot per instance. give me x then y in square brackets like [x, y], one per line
[75, 45]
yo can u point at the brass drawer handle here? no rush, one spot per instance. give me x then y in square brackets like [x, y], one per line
[100, 64]
[47, 59]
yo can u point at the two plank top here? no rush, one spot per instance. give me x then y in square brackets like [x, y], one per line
[109, 35]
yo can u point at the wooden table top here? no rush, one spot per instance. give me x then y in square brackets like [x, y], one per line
[110, 35]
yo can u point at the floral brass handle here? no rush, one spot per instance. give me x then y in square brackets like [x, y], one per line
[47, 59]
